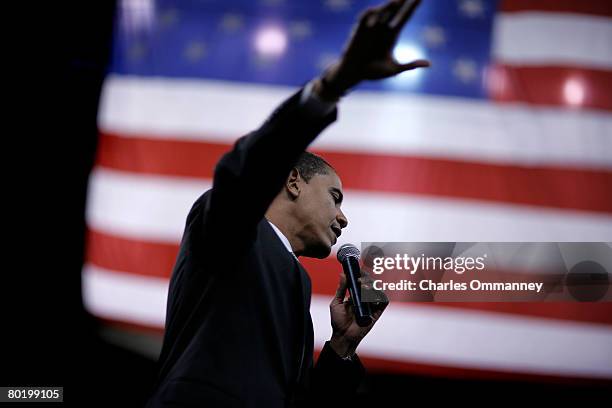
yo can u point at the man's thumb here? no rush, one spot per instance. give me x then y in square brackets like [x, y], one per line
[421, 63]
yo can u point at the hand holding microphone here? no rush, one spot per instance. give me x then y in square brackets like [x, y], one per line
[352, 319]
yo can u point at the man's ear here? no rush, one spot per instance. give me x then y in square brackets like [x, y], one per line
[293, 184]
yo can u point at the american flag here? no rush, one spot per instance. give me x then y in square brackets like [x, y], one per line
[507, 137]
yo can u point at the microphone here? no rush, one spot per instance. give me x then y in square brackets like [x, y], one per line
[348, 256]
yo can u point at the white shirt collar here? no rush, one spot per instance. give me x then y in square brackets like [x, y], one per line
[282, 237]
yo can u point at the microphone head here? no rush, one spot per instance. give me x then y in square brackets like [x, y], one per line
[347, 250]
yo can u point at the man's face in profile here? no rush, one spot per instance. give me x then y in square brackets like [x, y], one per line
[320, 214]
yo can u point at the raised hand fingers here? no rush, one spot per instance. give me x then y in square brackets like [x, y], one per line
[383, 14]
[406, 9]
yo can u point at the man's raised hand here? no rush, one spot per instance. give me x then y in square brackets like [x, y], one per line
[368, 54]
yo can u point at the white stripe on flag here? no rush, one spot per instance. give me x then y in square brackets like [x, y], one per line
[155, 208]
[371, 122]
[537, 38]
[413, 333]
[146, 207]
[126, 297]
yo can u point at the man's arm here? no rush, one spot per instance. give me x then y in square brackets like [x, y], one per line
[247, 178]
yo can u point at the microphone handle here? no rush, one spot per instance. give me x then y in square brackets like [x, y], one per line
[352, 273]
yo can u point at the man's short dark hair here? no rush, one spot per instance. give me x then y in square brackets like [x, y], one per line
[310, 164]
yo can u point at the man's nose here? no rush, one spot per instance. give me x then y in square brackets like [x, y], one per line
[341, 218]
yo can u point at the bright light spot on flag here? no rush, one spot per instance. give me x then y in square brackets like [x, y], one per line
[405, 53]
[574, 92]
[270, 41]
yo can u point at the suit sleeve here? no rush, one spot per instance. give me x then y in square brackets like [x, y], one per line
[332, 380]
[248, 177]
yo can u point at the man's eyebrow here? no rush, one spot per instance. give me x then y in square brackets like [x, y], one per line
[340, 195]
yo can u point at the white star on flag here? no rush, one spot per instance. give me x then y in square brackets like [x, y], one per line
[472, 8]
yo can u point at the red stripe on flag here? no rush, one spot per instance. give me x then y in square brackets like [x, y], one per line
[158, 156]
[552, 86]
[557, 187]
[128, 255]
[157, 260]
[597, 7]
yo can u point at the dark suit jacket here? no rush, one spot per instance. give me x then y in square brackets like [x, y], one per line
[238, 327]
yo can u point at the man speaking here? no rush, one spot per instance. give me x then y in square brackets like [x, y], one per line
[238, 327]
